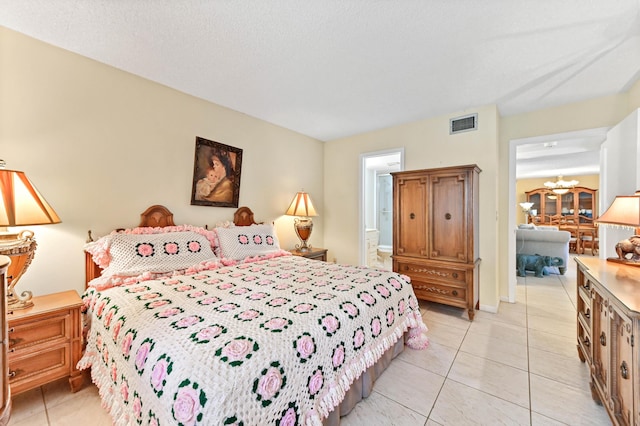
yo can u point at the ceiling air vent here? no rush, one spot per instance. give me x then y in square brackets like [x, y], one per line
[463, 124]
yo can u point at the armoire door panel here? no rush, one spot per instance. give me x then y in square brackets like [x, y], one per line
[448, 231]
[412, 235]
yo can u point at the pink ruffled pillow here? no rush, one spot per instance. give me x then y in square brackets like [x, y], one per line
[157, 250]
[241, 242]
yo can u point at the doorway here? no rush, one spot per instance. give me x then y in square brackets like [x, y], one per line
[550, 170]
[376, 206]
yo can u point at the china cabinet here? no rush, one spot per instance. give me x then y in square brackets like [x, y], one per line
[577, 205]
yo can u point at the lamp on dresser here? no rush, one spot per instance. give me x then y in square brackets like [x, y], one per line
[624, 212]
[20, 205]
[302, 207]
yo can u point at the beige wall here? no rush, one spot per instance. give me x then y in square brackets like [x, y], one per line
[427, 144]
[102, 145]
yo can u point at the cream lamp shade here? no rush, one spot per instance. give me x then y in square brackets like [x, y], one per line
[624, 212]
[301, 205]
[526, 206]
[20, 205]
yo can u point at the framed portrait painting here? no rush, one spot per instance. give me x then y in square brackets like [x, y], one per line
[216, 174]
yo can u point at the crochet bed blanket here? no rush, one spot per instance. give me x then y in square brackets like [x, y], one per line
[276, 341]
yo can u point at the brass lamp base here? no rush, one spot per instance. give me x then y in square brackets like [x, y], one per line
[20, 248]
[303, 229]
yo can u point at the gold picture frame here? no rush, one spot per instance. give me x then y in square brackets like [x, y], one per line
[216, 174]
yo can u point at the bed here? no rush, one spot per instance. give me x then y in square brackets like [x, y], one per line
[193, 326]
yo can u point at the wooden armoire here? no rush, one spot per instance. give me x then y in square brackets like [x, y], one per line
[435, 233]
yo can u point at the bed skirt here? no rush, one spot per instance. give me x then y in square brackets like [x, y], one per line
[363, 385]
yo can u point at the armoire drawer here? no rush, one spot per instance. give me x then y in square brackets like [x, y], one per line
[439, 292]
[430, 273]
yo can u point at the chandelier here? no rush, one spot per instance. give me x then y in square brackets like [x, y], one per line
[561, 186]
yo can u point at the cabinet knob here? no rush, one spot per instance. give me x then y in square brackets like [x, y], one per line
[12, 373]
[412, 216]
[586, 342]
[454, 292]
[603, 339]
[624, 370]
[447, 216]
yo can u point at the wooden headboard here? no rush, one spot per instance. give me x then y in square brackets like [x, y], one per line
[160, 216]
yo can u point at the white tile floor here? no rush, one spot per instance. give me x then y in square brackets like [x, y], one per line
[517, 367]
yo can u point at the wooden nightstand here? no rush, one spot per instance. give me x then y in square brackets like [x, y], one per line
[45, 342]
[313, 253]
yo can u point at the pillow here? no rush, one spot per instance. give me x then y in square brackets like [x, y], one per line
[526, 226]
[240, 242]
[133, 252]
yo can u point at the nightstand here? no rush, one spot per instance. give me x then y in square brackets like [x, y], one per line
[313, 253]
[45, 342]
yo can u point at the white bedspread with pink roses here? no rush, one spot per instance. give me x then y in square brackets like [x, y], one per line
[274, 341]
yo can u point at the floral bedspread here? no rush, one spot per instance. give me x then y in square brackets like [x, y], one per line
[275, 341]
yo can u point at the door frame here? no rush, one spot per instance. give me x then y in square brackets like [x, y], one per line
[362, 193]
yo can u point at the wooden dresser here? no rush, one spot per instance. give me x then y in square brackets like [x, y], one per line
[435, 233]
[608, 321]
[45, 342]
[5, 393]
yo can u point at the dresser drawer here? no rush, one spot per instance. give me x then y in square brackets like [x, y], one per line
[34, 368]
[430, 273]
[38, 330]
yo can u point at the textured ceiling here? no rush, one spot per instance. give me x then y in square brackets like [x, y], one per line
[334, 68]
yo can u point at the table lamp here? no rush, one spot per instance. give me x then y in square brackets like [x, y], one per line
[526, 208]
[301, 205]
[624, 212]
[20, 205]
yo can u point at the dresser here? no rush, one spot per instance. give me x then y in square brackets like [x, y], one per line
[5, 393]
[435, 233]
[45, 342]
[608, 321]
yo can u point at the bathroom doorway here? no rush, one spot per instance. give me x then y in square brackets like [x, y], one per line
[376, 206]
